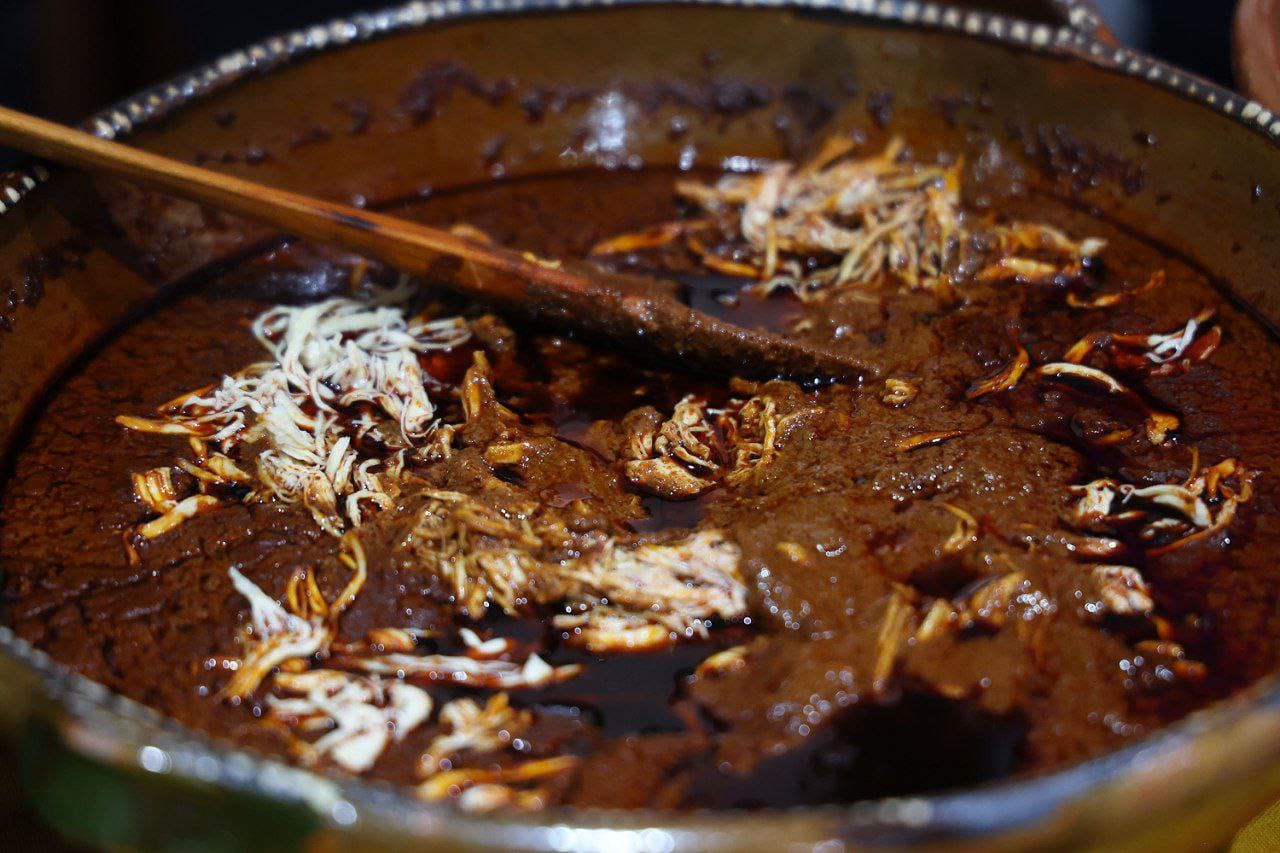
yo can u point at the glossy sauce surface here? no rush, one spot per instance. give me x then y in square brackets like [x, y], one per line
[847, 522]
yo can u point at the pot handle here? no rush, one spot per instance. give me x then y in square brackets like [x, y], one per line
[1255, 50]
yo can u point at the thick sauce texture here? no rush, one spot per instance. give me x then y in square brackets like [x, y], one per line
[973, 564]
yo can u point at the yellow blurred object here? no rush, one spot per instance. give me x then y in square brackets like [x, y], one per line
[1260, 835]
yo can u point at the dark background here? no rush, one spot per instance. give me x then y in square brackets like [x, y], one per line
[65, 59]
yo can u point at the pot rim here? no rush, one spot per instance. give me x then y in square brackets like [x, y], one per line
[126, 733]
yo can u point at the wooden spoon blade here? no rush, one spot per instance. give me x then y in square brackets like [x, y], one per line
[643, 313]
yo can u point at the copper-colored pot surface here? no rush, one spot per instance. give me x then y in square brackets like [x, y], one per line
[325, 111]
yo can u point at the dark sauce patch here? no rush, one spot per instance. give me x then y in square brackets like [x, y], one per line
[915, 744]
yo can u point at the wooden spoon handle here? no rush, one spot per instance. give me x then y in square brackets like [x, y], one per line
[622, 308]
[400, 243]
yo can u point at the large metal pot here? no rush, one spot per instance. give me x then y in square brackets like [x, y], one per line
[326, 111]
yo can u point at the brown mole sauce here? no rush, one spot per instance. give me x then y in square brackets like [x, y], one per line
[803, 722]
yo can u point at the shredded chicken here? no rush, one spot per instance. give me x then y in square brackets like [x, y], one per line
[1006, 378]
[343, 401]
[620, 595]
[722, 662]
[841, 221]
[1169, 514]
[966, 532]
[469, 670]
[1123, 590]
[277, 635]
[928, 439]
[1162, 660]
[1157, 354]
[213, 469]
[676, 458]
[360, 715]
[651, 237]
[989, 604]
[1157, 424]
[1113, 298]
[895, 624]
[519, 786]
[872, 218]
[677, 586]
[183, 510]
[938, 620]
[1033, 250]
[469, 728]
[683, 457]
[342, 351]
[753, 433]
[483, 554]
[899, 392]
[155, 489]
[604, 629]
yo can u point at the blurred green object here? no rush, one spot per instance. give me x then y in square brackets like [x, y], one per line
[53, 798]
[101, 806]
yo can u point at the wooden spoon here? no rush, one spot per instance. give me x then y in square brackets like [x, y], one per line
[626, 308]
